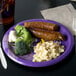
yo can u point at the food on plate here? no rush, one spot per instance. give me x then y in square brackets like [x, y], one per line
[52, 35]
[23, 40]
[47, 50]
[24, 36]
[12, 36]
[21, 47]
[41, 25]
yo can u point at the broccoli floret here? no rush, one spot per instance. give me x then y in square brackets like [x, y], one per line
[24, 33]
[23, 41]
[21, 47]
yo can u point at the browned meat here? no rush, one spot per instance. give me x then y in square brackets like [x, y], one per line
[41, 25]
[47, 35]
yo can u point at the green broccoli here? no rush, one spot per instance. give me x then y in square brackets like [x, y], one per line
[21, 47]
[23, 33]
[23, 41]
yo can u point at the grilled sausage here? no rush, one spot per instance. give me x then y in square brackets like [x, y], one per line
[41, 25]
[47, 35]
